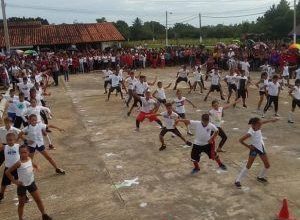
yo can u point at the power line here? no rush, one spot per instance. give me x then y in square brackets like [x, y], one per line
[234, 16]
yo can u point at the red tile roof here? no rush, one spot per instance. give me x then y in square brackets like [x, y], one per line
[35, 34]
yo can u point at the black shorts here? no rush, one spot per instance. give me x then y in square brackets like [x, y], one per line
[174, 131]
[262, 93]
[5, 180]
[39, 149]
[181, 115]
[215, 88]
[296, 102]
[255, 152]
[232, 87]
[118, 88]
[162, 101]
[242, 94]
[197, 150]
[180, 79]
[21, 190]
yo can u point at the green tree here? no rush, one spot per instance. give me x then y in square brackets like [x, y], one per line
[123, 27]
[101, 20]
[136, 30]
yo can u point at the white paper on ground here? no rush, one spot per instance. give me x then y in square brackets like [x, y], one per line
[90, 121]
[119, 167]
[110, 154]
[143, 204]
[99, 133]
[219, 171]
[245, 189]
[128, 183]
[199, 110]
[82, 110]
[276, 146]
[186, 146]
[235, 129]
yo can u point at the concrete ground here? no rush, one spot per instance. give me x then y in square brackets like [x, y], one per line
[100, 149]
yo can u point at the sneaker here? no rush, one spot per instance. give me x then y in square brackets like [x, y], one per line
[238, 185]
[244, 106]
[189, 143]
[277, 115]
[223, 167]
[262, 180]
[46, 217]
[163, 147]
[128, 114]
[291, 122]
[262, 116]
[190, 133]
[60, 171]
[51, 147]
[195, 170]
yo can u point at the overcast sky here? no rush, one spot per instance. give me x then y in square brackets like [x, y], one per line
[68, 11]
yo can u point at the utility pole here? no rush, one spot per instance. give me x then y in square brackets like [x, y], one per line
[295, 21]
[200, 27]
[6, 34]
[167, 43]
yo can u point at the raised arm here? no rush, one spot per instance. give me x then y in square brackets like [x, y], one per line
[231, 104]
[190, 103]
[269, 121]
[168, 86]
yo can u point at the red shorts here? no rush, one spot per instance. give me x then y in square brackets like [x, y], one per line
[142, 116]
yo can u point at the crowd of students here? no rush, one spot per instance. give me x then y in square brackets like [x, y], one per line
[149, 101]
[26, 123]
[25, 128]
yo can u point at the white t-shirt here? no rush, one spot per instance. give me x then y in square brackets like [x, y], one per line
[36, 111]
[215, 79]
[4, 132]
[115, 80]
[202, 134]
[197, 76]
[296, 92]
[183, 73]
[131, 82]
[231, 79]
[216, 116]
[245, 66]
[140, 88]
[11, 108]
[25, 173]
[179, 105]
[169, 119]
[273, 89]
[262, 85]
[107, 73]
[161, 93]
[271, 72]
[11, 155]
[147, 105]
[25, 88]
[35, 134]
[285, 71]
[256, 139]
[21, 107]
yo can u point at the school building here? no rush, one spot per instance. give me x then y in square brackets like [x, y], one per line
[35, 35]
